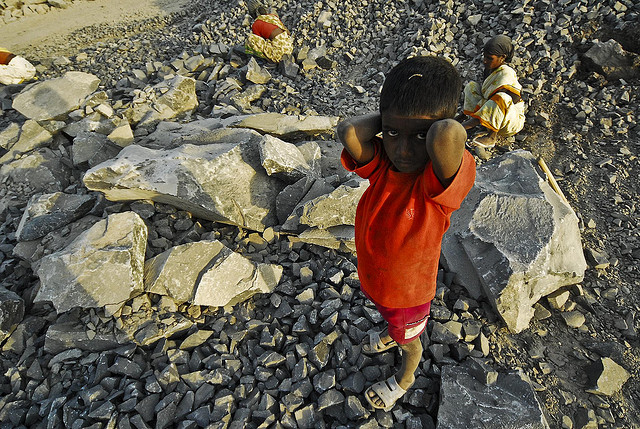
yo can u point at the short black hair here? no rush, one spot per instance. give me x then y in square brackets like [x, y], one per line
[423, 85]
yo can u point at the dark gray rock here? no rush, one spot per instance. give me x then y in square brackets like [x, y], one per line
[12, 310]
[46, 213]
[468, 402]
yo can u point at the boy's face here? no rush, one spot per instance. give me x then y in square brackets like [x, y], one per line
[405, 140]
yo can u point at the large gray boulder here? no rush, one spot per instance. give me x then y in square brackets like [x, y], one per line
[222, 182]
[48, 212]
[102, 266]
[335, 208]
[208, 273]
[513, 240]
[469, 402]
[55, 98]
[326, 217]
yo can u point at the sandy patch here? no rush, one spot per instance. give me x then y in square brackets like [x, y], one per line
[28, 32]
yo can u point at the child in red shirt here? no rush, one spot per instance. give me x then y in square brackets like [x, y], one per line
[419, 173]
[269, 37]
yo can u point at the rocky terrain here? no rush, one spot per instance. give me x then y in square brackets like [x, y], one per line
[291, 357]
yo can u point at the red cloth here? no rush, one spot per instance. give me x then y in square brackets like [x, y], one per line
[405, 324]
[6, 57]
[399, 225]
[262, 28]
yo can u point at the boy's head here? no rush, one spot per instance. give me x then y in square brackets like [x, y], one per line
[422, 86]
[416, 93]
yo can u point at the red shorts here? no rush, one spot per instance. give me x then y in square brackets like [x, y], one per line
[405, 324]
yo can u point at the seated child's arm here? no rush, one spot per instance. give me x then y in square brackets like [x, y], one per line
[445, 146]
[356, 134]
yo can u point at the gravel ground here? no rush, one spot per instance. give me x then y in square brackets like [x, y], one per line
[583, 125]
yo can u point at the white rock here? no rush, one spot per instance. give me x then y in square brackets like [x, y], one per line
[102, 266]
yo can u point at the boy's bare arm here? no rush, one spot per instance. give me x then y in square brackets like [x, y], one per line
[445, 146]
[356, 134]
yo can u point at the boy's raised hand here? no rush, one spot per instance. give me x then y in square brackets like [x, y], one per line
[356, 134]
[445, 146]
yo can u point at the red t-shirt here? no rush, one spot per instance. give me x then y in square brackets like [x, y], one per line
[399, 225]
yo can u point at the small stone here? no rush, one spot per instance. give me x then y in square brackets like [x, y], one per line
[606, 377]
[558, 298]
[573, 319]
[448, 333]
[540, 312]
[597, 258]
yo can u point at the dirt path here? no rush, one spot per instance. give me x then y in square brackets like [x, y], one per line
[29, 32]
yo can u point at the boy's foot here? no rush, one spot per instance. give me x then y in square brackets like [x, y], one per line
[378, 344]
[384, 394]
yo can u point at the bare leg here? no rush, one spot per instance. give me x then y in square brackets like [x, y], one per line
[411, 356]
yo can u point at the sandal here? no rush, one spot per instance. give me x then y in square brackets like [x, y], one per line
[477, 143]
[389, 391]
[376, 345]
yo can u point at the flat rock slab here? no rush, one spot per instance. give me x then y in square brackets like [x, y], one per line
[221, 182]
[66, 336]
[208, 273]
[48, 212]
[54, 98]
[287, 126]
[513, 240]
[467, 402]
[337, 237]
[102, 266]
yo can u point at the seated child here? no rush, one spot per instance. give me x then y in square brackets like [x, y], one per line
[269, 38]
[496, 104]
[14, 69]
[419, 173]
